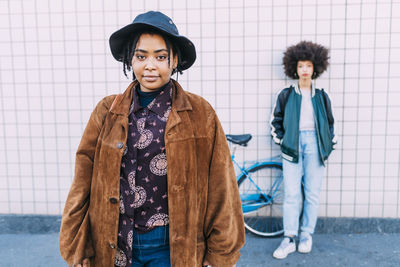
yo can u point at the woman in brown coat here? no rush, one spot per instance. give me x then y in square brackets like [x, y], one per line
[125, 207]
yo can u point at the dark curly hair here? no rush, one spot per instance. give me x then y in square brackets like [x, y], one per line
[305, 50]
[129, 51]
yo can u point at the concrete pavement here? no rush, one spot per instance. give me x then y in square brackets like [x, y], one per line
[354, 250]
[371, 249]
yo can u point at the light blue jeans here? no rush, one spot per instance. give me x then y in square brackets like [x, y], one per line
[310, 171]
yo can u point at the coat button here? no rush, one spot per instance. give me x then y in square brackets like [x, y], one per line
[120, 145]
[112, 245]
[113, 200]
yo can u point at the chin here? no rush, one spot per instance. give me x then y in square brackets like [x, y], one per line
[151, 85]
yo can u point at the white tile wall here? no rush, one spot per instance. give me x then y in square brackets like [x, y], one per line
[55, 65]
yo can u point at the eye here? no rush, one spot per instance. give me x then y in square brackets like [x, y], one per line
[161, 57]
[140, 57]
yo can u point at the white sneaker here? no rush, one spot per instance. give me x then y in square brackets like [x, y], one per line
[285, 248]
[305, 244]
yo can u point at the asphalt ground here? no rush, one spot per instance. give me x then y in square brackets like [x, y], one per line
[370, 249]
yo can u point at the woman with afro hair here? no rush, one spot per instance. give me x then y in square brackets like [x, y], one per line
[302, 124]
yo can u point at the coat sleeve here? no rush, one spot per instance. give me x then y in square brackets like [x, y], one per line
[224, 224]
[276, 122]
[75, 237]
[331, 120]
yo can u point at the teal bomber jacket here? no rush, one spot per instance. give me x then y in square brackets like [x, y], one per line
[285, 122]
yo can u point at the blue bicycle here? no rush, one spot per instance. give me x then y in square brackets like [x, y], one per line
[261, 191]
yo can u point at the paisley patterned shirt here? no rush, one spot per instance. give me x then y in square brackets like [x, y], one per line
[143, 178]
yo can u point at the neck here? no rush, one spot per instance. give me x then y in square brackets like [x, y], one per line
[305, 83]
[147, 91]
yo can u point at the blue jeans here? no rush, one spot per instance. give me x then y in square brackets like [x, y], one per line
[310, 170]
[151, 249]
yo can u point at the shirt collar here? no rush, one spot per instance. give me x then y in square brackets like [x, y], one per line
[159, 104]
[297, 88]
[180, 99]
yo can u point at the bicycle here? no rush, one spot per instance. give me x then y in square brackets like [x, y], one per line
[261, 191]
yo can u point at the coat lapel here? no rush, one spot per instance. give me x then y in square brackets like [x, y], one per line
[180, 102]
[122, 105]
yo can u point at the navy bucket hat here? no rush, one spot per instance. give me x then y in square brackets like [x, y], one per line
[157, 21]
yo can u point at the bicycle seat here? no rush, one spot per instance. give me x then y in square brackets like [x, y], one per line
[239, 139]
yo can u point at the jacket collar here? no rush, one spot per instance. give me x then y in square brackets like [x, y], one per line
[123, 103]
[180, 100]
[297, 89]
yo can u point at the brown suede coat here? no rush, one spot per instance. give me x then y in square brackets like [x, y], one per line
[206, 220]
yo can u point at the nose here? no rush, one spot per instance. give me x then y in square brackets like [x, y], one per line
[150, 63]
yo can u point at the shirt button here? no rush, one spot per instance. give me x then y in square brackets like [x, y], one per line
[120, 145]
[113, 200]
[112, 245]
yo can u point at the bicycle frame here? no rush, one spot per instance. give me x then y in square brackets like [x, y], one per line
[254, 199]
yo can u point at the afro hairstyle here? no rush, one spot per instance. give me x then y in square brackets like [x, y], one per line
[305, 50]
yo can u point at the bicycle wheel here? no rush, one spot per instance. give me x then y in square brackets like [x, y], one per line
[261, 193]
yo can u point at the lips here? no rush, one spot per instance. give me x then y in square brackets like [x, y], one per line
[150, 78]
